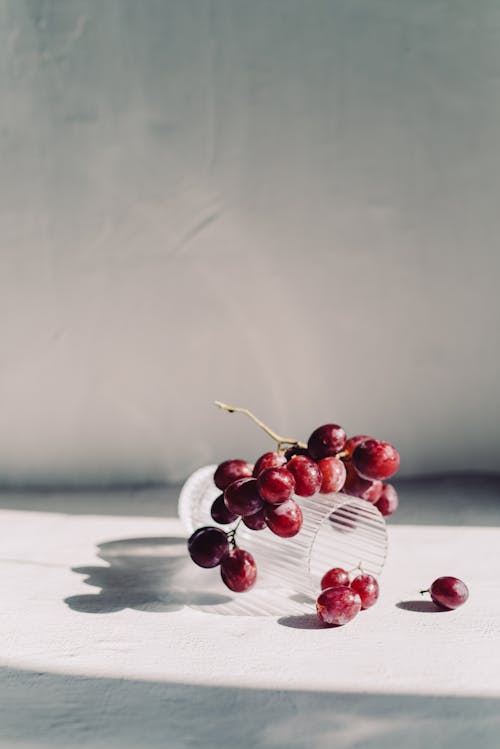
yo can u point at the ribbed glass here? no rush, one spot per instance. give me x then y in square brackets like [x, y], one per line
[338, 531]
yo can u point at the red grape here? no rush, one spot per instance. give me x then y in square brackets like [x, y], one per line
[242, 497]
[284, 520]
[449, 592]
[256, 522]
[388, 501]
[268, 460]
[374, 459]
[306, 474]
[333, 474]
[353, 442]
[356, 486]
[326, 440]
[338, 605]
[229, 471]
[366, 586]
[220, 513]
[335, 577]
[238, 570]
[207, 546]
[276, 485]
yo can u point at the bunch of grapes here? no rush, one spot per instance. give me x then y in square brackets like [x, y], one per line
[266, 494]
[341, 599]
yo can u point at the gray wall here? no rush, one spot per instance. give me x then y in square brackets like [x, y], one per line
[291, 204]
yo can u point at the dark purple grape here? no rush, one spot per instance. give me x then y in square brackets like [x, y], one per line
[238, 570]
[207, 546]
[257, 521]
[220, 513]
[326, 441]
[296, 450]
[229, 471]
[242, 497]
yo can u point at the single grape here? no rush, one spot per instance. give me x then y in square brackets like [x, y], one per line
[296, 450]
[335, 577]
[220, 513]
[207, 546]
[356, 486]
[325, 441]
[229, 471]
[307, 475]
[374, 459]
[337, 606]
[268, 460]
[242, 497]
[238, 570]
[353, 442]
[388, 501]
[449, 592]
[366, 586]
[276, 485]
[333, 474]
[284, 520]
[257, 521]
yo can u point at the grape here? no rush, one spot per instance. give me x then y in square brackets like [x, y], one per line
[220, 513]
[229, 471]
[256, 522]
[207, 546]
[325, 441]
[268, 460]
[242, 497]
[333, 474]
[353, 442]
[338, 605]
[374, 459]
[356, 486]
[276, 485]
[284, 520]
[238, 570]
[296, 450]
[307, 475]
[449, 592]
[366, 586]
[388, 501]
[335, 577]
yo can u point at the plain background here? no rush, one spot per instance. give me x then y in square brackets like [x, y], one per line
[289, 205]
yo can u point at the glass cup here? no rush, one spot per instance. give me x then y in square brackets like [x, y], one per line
[338, 531]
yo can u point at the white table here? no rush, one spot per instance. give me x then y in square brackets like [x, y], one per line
[110, 637]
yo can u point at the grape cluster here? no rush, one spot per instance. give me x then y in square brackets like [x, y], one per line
[264, 495]
[341, 599]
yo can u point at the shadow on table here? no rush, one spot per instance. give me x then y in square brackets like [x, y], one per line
[156, 575]
[58, 710]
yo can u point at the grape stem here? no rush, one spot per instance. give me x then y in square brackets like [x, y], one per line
[424, 591]
[280, 441]
[231, 536]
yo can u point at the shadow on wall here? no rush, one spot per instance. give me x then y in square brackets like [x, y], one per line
[46, 710]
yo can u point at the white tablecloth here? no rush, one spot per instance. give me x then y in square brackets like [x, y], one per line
[111, 637]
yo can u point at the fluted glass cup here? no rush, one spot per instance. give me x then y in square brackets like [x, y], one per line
[338, 531]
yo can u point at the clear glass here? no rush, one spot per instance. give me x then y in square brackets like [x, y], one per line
[338, 531]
